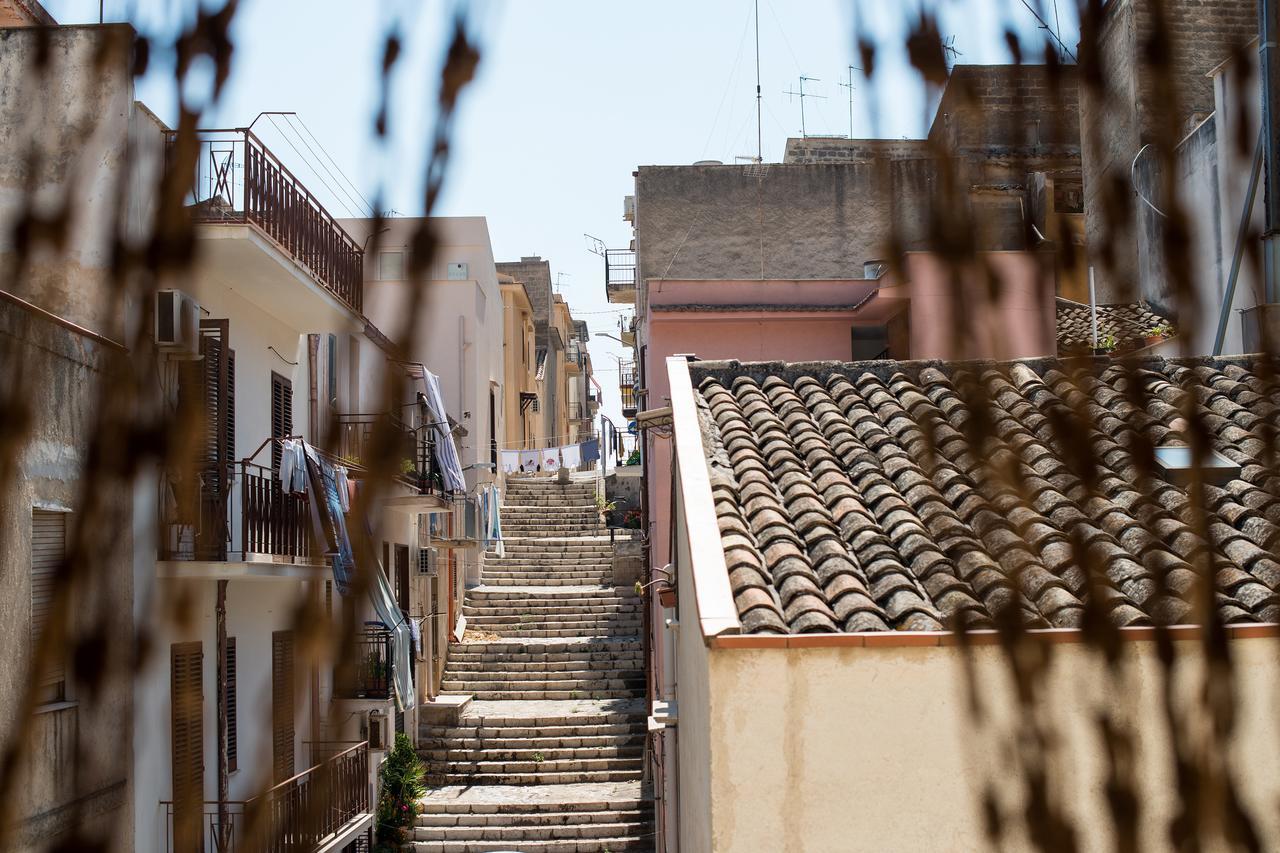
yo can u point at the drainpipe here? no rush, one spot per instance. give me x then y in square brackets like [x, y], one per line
[1269, 60]
[220, 702]
[313, 414]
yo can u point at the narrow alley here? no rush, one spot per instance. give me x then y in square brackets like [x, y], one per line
[548, 754]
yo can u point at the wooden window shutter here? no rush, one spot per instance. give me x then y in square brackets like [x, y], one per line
[282, 699]
[281, 414]
[402, 577]
[48, 551]
[233, 740]
[186, 702]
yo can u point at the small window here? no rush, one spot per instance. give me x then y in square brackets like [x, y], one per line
[48, 551]
[457, 272]
[1177, 465]
[391, 266]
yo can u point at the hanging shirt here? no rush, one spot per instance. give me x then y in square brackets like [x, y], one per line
[344, 491]
[511, 461]
[590, 450]
[550, 459]
[570, 456]
[529, 461]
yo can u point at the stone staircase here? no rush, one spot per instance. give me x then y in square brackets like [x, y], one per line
[549, 754]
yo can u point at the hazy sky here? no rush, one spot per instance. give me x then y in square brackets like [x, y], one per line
[571, 96]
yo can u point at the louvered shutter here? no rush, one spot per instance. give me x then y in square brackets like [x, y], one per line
[282, 696]
[186, 701]
[48, 551]
[233, 741]
[281, 414]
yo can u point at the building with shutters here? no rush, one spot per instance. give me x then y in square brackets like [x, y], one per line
[219, 671]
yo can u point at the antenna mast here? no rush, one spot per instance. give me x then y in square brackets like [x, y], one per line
[759, 143]
[849, 85]
[802, 95]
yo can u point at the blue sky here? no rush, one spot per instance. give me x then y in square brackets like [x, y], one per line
[571, 96]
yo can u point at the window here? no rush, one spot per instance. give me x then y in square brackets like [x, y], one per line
[391, 266]
[48, 551]
[282, 687]
[229, 686]
[281, 414]
[456, 272]
[186, 703]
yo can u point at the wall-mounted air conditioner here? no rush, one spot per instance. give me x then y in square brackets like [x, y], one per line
[428, 561]
[376, 730]
[177, 329]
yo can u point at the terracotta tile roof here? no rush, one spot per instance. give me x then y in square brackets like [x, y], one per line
[1128, 322]
[884, 496]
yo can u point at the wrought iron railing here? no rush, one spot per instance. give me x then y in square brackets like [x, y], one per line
[416, 446]
[620, 274]
[298, 815]
[238, 180]
[627, 384]
[368, 672]
[247, 513]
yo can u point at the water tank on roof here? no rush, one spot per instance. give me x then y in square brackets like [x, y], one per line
[707, 163]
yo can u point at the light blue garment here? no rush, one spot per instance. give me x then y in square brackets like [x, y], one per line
[446, 452]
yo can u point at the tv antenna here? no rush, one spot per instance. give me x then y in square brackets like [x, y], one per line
[559, 276]
[949, 51]
[848, 84]
[595, 245]
[802, 94]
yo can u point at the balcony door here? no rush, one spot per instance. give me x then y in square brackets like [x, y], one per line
[206, 391]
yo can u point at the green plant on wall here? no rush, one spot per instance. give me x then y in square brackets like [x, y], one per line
[634, 458]
[403, 784]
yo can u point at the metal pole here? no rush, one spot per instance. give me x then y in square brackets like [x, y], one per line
[1228, 297]
[1093, 309]
[1269, 60]
[803, 133]
[759, 142]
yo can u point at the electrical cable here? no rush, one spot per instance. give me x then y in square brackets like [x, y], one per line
[336, 195]
[341, 173]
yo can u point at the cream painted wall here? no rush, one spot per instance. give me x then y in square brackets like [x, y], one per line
[850, 749]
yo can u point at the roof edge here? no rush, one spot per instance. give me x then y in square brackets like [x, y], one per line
[903, 639]
[712, 595]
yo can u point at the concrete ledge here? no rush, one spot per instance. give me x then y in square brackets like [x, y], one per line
[446, 709]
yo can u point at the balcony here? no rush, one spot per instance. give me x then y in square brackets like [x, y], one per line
[422, 485]
[368, 672]
[237, 522]
[325, 806]
[579, 411]
[627, 387]
[620, 275]
[260, 228]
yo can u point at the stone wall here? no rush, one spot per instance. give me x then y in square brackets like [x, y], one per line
[535, 273]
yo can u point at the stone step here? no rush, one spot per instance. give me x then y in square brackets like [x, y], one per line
[554, 633]
[548, 581]
[554, 814]
[524, 599]
[596, 845]
[626, 622]
[630, 661]
[543, 744]
[467, 775]
[535, 695]
[536, 754]
[516, 612]
[580, 675]
[526, 730]
[565, 830]
[589, 645]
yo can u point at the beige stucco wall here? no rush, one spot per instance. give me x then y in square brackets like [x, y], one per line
[519, 367]
[845, 749]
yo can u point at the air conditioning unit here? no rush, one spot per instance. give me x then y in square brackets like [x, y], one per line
[427, 562]
[177, 324]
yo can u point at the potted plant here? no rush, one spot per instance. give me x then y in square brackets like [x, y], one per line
[1156, 334]
[631, 520]
[1106, 345]
[667, 595]
[403, 784]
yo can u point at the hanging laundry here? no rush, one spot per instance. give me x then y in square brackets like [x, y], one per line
[495, 523]
[551, 459]
[446, 450]
[344, 490]
[590, 450]
[570, 456]
[511, 461]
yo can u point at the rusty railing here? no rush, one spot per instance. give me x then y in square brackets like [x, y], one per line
[298, 815]
[239, 180]
[273, 520]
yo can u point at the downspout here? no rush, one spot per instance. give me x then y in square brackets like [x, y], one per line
[313, 414]
[1269, 61]
[1228, 295]
[220, 701]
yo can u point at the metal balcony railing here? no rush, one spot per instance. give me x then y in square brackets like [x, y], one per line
[299, 815]
[368, 672]
[238, 180]
[416, 448]
[237, 515]
[620, 275]
[627, 386]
